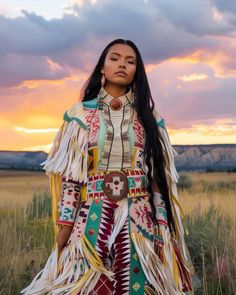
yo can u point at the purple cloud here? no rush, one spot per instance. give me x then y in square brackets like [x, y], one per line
[74, 42]
[164, 29]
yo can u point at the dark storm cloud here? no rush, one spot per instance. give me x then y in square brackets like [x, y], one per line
[227, 9]
[161, 29]
[16, 68]
[225, 6]
[194, 16]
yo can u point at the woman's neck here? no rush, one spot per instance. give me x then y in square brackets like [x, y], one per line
[115, 90]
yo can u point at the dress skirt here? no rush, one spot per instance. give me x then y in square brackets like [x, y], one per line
[114, 248]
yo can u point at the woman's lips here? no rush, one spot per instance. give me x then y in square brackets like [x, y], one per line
[121, 74]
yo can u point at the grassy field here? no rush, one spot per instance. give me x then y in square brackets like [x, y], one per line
[208, 199]
[18, 187]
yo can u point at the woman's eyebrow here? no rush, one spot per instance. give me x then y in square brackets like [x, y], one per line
[120, 55]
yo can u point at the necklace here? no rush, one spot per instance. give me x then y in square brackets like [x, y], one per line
[115, 104]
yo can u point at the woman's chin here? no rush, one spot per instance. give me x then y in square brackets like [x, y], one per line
[120, 81]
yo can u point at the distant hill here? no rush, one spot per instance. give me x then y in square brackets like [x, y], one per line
[17, 160]
[190, 158]
[206, 157]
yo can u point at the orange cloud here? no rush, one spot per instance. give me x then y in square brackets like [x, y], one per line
[220, 59]
[193, 77]
[150, 67]
[32, 112]
[32, 84]
[42, 103]
[221, 131]
[37, 148]
[28, 130]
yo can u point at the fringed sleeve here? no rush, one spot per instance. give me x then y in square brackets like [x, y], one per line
[67, 163]
[172, 179]
[69, 153]
[177, 246]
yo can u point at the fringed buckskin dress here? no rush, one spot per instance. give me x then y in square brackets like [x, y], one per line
[98, 182]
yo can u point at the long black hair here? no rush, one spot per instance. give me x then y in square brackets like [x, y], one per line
[144, 106]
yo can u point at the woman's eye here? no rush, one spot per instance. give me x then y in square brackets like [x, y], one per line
[115, 59]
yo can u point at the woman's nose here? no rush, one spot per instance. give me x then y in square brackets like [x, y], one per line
[122, 63]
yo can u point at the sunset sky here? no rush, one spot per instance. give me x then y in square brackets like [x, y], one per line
[49, 48]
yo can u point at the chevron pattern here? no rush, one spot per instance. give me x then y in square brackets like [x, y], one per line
[121, 265]
[105, 229]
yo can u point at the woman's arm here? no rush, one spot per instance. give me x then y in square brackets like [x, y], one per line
[63, 236]
[68, 207]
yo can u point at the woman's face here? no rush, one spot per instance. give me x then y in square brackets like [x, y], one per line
[120, 57]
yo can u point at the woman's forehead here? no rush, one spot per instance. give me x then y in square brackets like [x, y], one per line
[122, 50]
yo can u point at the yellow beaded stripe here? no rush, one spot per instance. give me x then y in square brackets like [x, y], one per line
[55, 185]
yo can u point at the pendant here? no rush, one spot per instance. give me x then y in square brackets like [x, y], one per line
[115, 104]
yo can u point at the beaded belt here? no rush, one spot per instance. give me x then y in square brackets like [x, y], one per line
[115, 185]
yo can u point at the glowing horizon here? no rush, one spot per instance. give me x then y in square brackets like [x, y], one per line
[193, 82]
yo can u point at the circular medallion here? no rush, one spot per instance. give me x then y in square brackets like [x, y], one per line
[115, 185]
[115, 104]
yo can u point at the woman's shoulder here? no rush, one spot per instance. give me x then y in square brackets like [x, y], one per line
[76, 113]
[90, 104]
[78, 106]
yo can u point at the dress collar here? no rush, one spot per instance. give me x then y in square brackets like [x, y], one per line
[104, 96]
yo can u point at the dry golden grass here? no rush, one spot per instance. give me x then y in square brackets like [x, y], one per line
[200, 197]
[212, 176]
[30, 241]
[198, 203]
[18, 187]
